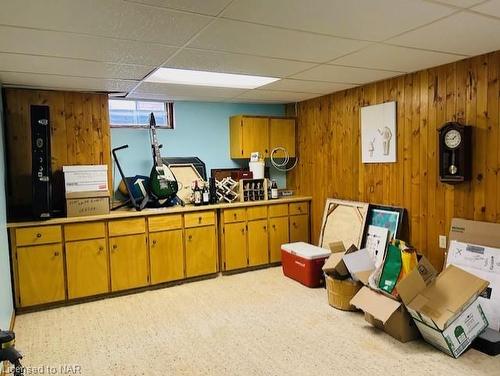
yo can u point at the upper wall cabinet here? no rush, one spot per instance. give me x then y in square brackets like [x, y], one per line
[257, 133]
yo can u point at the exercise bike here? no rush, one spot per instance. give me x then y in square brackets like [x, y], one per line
[8, 352]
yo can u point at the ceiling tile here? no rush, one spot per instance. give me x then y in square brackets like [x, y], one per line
[46, 81]
[110, 18]
[186, 90]
[235, 63]
[361, 19]
[233, 36]
[490, 8]
[212, 7]
[341, 74]
[275, 96]
[460, 3]
[315, 87]
[49, 43]
[395, 58]
[479, 36]
[70, 67]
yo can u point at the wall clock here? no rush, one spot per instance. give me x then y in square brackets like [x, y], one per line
[455, 154]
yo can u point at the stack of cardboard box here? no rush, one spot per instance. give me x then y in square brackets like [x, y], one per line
[86, 190]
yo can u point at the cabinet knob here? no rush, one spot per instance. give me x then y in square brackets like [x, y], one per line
[56, 253]
[38, 235]
[115, 246]
[235, 216]
[294, 224]
[190, 237]
[265, 228]
[101, 248]
[300, 208]
[274, 227]
[154, 242]
[199, 219]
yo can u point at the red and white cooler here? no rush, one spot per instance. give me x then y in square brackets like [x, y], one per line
[303, 262]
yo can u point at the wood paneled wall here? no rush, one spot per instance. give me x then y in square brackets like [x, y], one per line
[79, 135]
[330, 157]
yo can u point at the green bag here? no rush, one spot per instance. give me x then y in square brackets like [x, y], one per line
[391, 270]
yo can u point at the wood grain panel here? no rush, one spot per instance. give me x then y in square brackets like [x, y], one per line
[79, 135]
[328, 137]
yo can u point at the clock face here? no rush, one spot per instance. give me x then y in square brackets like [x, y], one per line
[452, 139]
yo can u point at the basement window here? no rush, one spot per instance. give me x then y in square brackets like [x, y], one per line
[126, 113]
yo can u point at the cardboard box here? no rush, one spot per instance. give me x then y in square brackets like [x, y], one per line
[387, 313]
[475, 247]
[446, 310]
[85, 178]
[79, 204]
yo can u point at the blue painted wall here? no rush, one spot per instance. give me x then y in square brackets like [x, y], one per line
[6, 307]
[201, 130]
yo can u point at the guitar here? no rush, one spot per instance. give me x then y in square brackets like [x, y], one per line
[162, 182]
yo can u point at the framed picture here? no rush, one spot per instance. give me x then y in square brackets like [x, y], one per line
[388, 217]
[343, 221]
[378, 133]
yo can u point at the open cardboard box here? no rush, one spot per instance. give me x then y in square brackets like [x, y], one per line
[446, 310]
[385, 311]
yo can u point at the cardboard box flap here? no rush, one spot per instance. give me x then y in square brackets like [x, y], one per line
[332, 262]
[87, 194]
[335, 266]
[450, 293]
[416, 281]
[467, 231]
[375, 304]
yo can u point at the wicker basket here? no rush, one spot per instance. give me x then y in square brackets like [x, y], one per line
[340, 293]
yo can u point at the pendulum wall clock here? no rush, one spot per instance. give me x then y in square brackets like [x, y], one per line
[455, 154]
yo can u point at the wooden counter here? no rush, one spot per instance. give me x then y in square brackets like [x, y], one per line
[128, 212]
[63, 260]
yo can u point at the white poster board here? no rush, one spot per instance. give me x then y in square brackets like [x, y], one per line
[378, 133]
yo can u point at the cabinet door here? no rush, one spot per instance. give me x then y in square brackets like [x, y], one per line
[41, 274]
[255, 136]
[278, 235]
[129, 266]
[235, 246]
[282, 134]
[201, 251]
[87, 267]
[258, 243]
[166, 252]
[299, 228]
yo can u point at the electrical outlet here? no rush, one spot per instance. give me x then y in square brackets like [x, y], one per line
[442, 241]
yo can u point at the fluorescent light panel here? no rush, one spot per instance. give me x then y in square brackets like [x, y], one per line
[202, 78]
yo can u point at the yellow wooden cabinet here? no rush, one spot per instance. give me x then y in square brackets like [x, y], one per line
[299, 228]
[129, 261]
[41, 274]
[235, 246]
[201, 251]
[278, 235]
[282, 135]
[166, 252]
[258, 243]
[87, 267]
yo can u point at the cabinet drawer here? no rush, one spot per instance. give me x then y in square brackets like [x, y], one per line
[164, 222]
[38, 235]
[82, 231]
[299, 208]
[234, 215]
[258, 212]
[280, 210]
[199, 219]
[127, 227]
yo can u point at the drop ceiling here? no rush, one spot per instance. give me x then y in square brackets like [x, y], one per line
[315, 47]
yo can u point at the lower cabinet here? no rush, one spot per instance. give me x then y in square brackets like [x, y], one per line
[129, 262]
[235, 246]
[166, 252]
[87, 268]
[201, 251]
[299, 228]
[278, 235]
[258, 245]
[41, 274]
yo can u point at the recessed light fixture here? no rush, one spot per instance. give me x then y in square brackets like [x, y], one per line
[202, 78]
